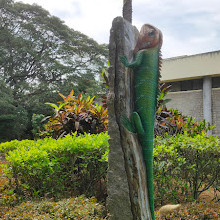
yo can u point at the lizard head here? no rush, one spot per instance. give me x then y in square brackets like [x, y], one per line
[149, 37]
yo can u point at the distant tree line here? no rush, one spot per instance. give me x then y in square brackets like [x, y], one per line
[39, 57]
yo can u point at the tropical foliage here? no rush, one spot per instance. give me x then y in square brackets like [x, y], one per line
[161, 124]
[76, 114]
[172, 121]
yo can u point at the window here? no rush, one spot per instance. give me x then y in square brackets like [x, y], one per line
[216, 82]
[186, 85]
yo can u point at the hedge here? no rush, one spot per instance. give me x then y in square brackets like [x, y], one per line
[75, 164]
[184, 166]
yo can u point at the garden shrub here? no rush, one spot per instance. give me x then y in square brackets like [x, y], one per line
[73, 208]
[174, 122]
[75, 164]
[76, 114]
[161, 124]
[5, 147]
[185, 166]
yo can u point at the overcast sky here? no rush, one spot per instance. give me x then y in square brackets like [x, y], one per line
[188, 26]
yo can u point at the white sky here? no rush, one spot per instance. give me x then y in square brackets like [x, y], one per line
[188, 26]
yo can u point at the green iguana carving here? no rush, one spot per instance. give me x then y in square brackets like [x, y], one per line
[146, 68]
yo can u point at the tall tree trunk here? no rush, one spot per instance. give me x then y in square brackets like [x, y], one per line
[127, 10]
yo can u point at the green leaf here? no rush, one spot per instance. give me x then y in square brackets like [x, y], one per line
[52, 105]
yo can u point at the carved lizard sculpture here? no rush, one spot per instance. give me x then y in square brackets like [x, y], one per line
[146, 68]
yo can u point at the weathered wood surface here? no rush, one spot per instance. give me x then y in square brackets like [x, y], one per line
[127, 189]
[127, 10]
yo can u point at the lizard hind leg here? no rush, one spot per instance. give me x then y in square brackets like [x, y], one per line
[136, 120]
[127, 123]
[134, 125]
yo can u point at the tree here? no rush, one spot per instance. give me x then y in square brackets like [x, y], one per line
[13, 118]
[41, 56]
[38, 50]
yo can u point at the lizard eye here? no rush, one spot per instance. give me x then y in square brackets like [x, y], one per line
[151, 33]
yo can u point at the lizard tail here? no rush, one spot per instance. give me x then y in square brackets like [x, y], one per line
[148, 156]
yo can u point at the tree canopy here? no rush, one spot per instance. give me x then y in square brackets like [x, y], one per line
[13, 117]
[40, 56]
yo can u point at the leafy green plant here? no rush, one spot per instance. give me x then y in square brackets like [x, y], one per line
[185, 166]
[162, 100]
[5, 147]
[76, 114]
[174, 122]
[105, 76]
[188, 124]
[49, 167]
[37, 124]
[193, 127]
[162, 125]
[13, 117]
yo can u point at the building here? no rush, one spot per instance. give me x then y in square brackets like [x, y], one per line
[195, 84]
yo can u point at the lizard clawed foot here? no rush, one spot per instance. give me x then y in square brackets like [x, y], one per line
[124, 60]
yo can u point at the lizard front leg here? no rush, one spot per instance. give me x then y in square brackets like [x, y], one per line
[137, 60]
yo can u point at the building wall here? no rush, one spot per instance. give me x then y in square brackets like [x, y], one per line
[188, 76]
[188, 102]
[191, 67]
[216, 110]
[191, 103]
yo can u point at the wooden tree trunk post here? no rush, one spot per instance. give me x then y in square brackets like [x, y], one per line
[127, 10]
[127, 188]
